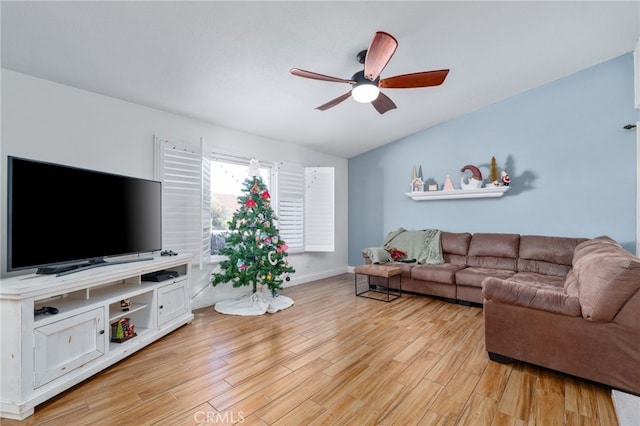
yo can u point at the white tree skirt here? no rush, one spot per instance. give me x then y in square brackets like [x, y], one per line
[258, 303]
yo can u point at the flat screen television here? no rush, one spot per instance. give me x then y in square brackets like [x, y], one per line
[62, 219]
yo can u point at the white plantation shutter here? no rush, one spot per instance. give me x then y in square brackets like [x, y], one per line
[185, 193]
[319, 204]
[290, 209]
[205, 210]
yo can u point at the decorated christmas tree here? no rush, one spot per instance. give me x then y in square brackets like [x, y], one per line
[256, 255]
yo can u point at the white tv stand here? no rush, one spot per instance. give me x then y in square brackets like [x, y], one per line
[41, 356]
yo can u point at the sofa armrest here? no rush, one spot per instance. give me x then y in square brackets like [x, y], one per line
[376, 255]
[531, 295]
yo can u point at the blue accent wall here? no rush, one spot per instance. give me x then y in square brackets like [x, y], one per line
[572, 166]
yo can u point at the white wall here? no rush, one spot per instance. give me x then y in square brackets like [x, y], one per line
[47, 121]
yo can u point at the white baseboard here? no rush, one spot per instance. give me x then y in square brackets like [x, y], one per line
[209, 295]
[298, 278]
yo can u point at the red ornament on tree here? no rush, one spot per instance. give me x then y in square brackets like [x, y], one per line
[250, 203]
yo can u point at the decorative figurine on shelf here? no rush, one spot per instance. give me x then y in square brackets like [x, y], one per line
[476, 178]
[506, 180]
[125, 304]
[119, 334]
[448, 184]
[493, 173]
[122, 330]
[417, 185]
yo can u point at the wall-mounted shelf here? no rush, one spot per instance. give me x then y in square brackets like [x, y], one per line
[491, 192]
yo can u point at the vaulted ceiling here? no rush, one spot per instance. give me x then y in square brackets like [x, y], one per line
[228, 63]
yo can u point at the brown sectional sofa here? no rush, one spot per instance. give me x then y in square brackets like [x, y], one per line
[588, 326]
[469, 259]
[568, 304]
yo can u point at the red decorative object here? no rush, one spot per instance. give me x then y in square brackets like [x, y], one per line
[250, 203]
[282, 247]
[396, 254]
[506, 180]
[265, 195]
[475, 172]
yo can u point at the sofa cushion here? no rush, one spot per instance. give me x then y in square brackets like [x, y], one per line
[405, 267]
[455, 259]
[490, 262]
[542, 267]
[473, 277]
[547, 255]
[534, 278]
[600, 244]
[455, 243]
[557, 250]
[494, 245]
[498, 251]
[455, 247]
[606, 277]
[442, 273]
[540, 296]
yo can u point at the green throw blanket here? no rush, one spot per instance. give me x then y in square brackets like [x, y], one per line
[377, 254]
[424, 246]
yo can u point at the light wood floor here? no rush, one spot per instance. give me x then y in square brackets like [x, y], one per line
[332, 358]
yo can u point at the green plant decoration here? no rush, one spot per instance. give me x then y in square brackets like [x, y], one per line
[119, 331]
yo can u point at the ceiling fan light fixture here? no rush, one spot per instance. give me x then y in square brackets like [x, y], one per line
[366, 84]
[365, 93]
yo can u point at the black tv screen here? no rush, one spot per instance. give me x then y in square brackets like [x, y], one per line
[60, 215]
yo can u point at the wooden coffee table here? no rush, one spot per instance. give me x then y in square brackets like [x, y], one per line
[388, 272]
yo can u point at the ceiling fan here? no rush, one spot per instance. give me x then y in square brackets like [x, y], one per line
[367, 83]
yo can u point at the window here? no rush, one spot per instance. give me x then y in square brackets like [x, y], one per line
[200, 191]
[303, 202]
[227, 177]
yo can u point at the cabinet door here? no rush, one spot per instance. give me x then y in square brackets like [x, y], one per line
[172, 301]
[65, 345]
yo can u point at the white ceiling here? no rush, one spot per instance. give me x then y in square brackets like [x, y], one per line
[228, 62]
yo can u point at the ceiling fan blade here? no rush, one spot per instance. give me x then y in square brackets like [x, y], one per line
[382, 48]
[416, 79]
[334, 102]
[383, 103]
[316, 76]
